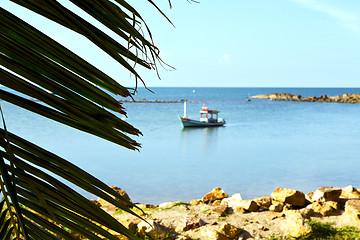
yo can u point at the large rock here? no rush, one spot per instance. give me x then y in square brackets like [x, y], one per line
[307, 212]
[222, 210]
[235, 202]
[216, 203]
[352, 209]
[276, 206]
[215, 194]
[296, 97]
[263, 202]
[189, 223]
[290, 196]
[232, 201]
[247, 205]
[130, 224]
[212, 234]
[350, 192]
[195, 202]
[152, 229]
[297, 224]
[229, 230]
[281, 96]
[309, 196]
[325, 194]
[106, 205]
[324, 208]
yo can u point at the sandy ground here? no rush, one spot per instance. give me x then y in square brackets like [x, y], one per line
[254, 225]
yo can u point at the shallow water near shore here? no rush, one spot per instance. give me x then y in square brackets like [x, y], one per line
[265, 144]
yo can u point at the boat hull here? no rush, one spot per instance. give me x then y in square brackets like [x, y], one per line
[194, 123]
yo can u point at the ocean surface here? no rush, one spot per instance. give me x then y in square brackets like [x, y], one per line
[265, 144]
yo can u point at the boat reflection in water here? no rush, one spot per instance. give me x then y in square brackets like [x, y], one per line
[208, 118]
[205, 138]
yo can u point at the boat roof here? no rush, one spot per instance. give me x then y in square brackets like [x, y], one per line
[206, 110]
[209, 111]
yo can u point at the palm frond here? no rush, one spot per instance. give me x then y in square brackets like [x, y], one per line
[42, 76]
[59, 87]
[41, 197]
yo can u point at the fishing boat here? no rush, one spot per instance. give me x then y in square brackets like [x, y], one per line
[208, 118]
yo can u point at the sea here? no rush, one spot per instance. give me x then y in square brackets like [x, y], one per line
[264, 144]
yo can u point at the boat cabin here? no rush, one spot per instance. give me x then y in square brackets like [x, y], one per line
[207, 115]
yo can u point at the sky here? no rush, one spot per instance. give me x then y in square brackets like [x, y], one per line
[237, 43]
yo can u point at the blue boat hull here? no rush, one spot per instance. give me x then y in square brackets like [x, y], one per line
[195, 123]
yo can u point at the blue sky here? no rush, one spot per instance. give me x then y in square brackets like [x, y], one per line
[240, 43]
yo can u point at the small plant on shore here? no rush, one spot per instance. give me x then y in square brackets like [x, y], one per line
[193, 214]
[326, 231]
[121, 211]
[224, 214]
[205, 211]
[181, 204]
[175, 204]
[322, 231]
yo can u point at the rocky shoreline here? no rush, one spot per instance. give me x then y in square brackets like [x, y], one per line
[217, 216]
[345, 98]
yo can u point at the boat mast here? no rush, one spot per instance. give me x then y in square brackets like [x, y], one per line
[185, 109]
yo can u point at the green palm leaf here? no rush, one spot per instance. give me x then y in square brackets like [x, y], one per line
[44, 77]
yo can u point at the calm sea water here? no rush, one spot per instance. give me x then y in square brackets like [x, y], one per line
[265, 144]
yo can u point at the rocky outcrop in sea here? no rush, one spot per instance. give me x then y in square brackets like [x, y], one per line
[345, 98]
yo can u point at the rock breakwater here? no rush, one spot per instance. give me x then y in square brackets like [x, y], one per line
[345, 98]
[218, 216]
[152, 101]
